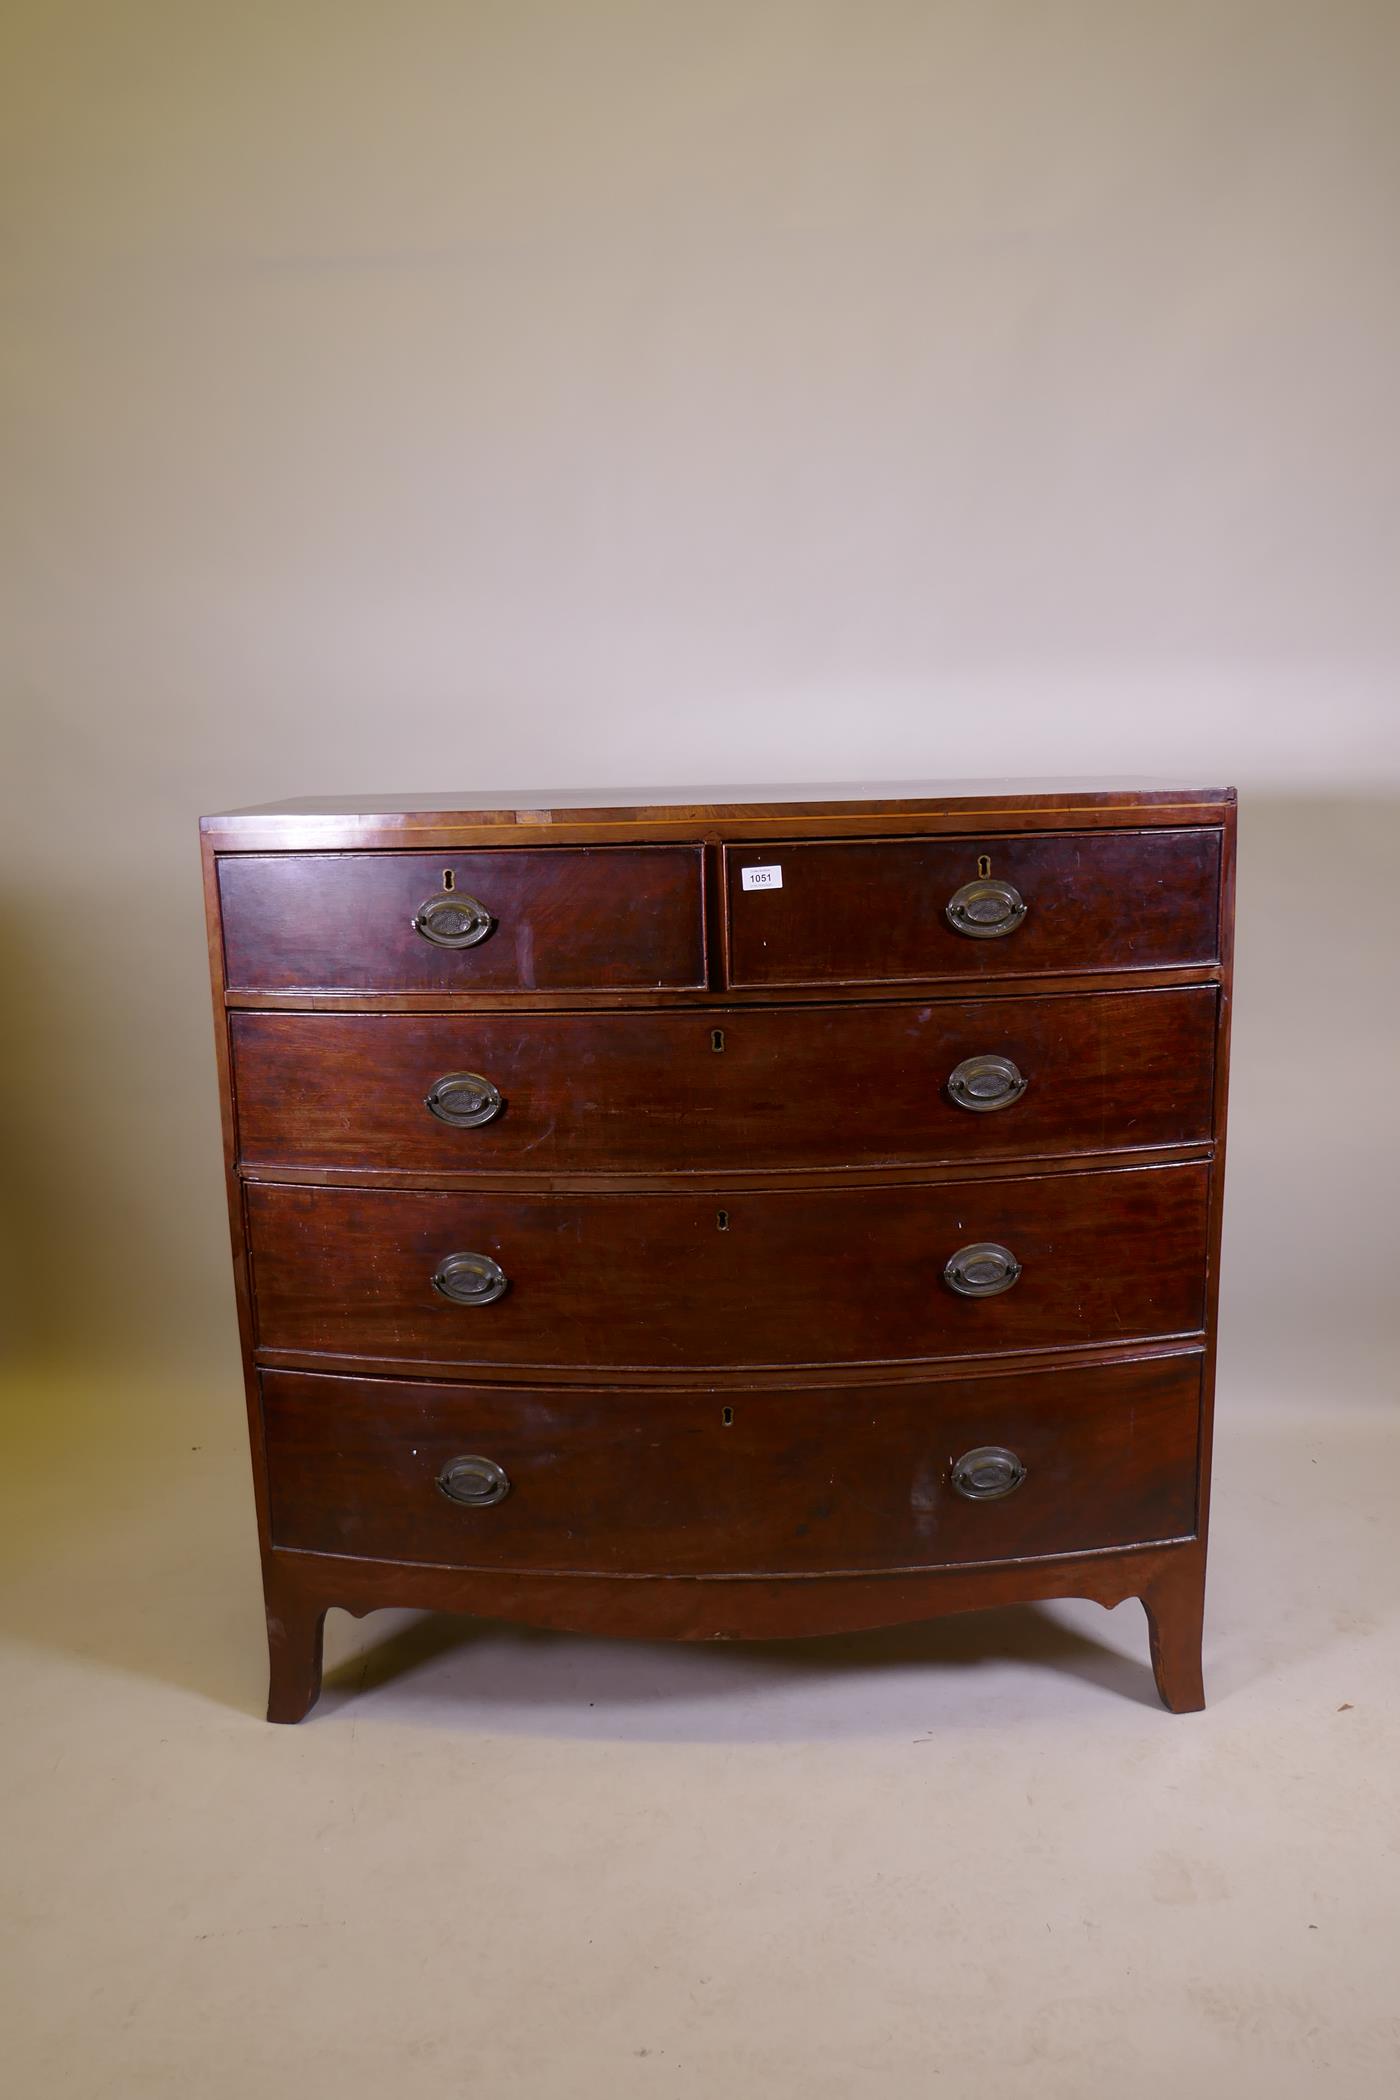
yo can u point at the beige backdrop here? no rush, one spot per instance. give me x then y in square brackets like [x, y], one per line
[472, 395]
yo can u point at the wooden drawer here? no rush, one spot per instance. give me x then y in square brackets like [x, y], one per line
[786, 1089]
[560, 919]
[794, 1482]
[875, 912]
[656, 1281]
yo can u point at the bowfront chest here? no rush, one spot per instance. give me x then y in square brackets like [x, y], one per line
[777, 1215]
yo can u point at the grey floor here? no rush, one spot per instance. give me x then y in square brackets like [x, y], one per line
[973, 1857]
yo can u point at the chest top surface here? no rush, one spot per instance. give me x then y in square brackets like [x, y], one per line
[724, 812]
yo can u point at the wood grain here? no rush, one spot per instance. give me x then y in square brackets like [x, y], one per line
[338, 823]
[789, 1483]
[656, 1281]
[770, 1089]
[873, 912]
[606, 917]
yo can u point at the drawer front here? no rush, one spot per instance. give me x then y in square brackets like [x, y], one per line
[756, 1089]
[651, 1281]
[549, 919]
[868, 912]
[780, 1483]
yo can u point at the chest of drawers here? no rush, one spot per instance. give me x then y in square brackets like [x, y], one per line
[777, 1215]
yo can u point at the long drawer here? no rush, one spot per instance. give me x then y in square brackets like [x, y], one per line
[864, 1275]
[759, 1088]
[502, 920]
[800, 1482]
[891, 910]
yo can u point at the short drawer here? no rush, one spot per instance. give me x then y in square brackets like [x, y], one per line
[880, 912]
[755, 1089]
[650, 1281]
[527, 919]
[801, 1482]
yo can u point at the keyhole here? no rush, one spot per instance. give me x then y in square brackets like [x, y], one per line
[722, 1221]
[449, 880]
[727, 1417]
[984, 863]
[716, 1038]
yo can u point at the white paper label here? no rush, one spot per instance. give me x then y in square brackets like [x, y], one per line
[770, 878]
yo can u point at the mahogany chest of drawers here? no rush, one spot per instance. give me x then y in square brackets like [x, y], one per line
[760, 1217]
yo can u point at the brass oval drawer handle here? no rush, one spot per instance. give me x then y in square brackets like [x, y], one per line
[470, 1279]
[988, 1473]
[982, 1270]
[453, 920]
[985, 1083]
[463, 1099]
[985, 909]
[474, 1482]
